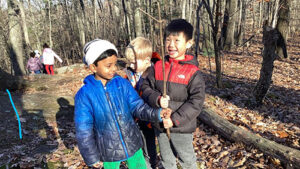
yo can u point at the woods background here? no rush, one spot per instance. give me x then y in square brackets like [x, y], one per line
[67, 25]
[233, 39]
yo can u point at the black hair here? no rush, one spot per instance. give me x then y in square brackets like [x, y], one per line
[32, 54]
[45, 45]
[179, 25]
[105, 55]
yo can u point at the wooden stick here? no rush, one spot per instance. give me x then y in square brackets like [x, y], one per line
[163, 60]
[162, 52]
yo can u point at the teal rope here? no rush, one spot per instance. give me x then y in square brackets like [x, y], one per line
[12, 103]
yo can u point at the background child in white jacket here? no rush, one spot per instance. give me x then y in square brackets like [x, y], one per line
[48, 59]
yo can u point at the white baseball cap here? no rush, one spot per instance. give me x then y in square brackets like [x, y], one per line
[93, 49]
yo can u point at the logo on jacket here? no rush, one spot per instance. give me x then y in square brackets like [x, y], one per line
[181, 76]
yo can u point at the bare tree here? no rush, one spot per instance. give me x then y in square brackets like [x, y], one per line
[242, 20]
[50, 23]
[283, 26]
[80, 20]
[183, 9]
[15, 39]
[273, 41]
[24, 24]
[232, 11]
[215, 26]
[138, 19]
[127, 12]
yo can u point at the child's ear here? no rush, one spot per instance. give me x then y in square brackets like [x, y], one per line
[92, 67]
[148, 59]
[189, 43]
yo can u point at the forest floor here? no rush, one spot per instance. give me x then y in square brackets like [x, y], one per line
[50, 142]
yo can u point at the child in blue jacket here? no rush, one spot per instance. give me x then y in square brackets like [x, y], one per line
[105, 108]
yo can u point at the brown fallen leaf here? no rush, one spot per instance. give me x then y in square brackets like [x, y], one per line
[240, 163]
[282, 134]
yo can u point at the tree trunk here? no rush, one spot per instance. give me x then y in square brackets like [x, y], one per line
[24, 26]
[215, 26]
[283, 26]
[15, 39]
[270, 38]
[127, 19]
[229, 40]
[183, 9]
[198, 28]
[222, 38]
[138, 19]
[37, 45]
[95, 21]
[190, 11]
[117, 30]
[80, 22]
[217, 48]
[50, 24]
[275, 14]
[285, 154]
[242, 25]
[261, 13]
[170, 10]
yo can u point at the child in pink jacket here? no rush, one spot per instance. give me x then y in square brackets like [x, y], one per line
[34, 65]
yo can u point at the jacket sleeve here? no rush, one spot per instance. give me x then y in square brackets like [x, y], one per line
[39, 63]
[57, 57]
[84, 129]
[149, 94]
[193, 106]
[139, 108]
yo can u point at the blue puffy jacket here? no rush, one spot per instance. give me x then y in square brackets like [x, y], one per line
[104, 120]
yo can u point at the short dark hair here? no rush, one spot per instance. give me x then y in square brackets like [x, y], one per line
[45, 45]
[104, 55]
[32, 54]
[179, 25]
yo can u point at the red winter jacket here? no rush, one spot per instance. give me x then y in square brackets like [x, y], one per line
[185, 87]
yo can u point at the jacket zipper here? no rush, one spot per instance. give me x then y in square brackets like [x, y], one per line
[117, 123]
[169, 77]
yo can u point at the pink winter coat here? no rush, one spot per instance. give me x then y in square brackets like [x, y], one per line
[34, 64]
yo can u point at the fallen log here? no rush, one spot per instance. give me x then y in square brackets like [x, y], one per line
[287, 155]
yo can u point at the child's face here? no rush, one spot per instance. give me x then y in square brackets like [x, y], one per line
[176, 45]
[105, 69]
[139, 65]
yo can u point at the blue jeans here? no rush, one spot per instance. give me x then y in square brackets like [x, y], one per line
[180, 145]
[37, 71]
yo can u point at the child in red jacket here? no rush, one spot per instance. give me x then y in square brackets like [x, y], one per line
[185, 91]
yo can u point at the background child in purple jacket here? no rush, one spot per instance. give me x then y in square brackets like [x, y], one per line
[34, 65]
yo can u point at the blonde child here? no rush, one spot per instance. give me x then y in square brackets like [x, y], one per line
[139, 54]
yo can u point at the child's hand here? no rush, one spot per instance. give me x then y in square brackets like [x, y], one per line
[166, 113]
[97, 164]
[167, 123]
[164, 101]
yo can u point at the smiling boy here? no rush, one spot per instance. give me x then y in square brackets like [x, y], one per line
[185, 96]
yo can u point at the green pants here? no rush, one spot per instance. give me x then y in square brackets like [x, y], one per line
[137, 161]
